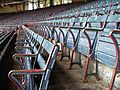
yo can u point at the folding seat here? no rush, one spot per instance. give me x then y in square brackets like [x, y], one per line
[20, 34]
[44, 32]
[65, 26]
[50, 28]
[21, 40]
[31, 39]
[89, 39]
[27, 61]
[28, 47]
[115, 9]
[103, 10]
[56, 31]
[31, 36]
[108, 46]
[93, 11]
[73, 36]
[40, 29]
[48, 32]
[28, 43]
[104, 47]
[45, 67]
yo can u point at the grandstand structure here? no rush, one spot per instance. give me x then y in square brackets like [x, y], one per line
[38, 35]
[7, 6]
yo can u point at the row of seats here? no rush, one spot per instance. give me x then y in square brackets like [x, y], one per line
[95, 36]
[95, 7]
[5, 38]
[91, 29]
[40, 14]
[20, 18]
[36, 56]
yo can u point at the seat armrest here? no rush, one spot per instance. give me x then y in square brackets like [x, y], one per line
[23, 55]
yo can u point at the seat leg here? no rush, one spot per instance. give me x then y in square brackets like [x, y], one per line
[62, 49]
[71, 58]
[113, 78]
[80, 64]
[86, 69]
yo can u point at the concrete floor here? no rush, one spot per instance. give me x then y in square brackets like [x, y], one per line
[64, 79]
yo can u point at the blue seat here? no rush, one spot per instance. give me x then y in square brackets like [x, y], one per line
[103, 46]
[30, 44]
[66, 24]
[32, 48]
[73, 35]
[115, 9]
[50, 29]
[45, 66]
[25, 37]
[106, 51]
[88, 41]
[27, 63]
[58, 29]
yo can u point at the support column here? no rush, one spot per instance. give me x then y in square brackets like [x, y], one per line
[38, 3]
[32, 4]
[24, 6]
[51, 2]
[60, 2]
[44, 3]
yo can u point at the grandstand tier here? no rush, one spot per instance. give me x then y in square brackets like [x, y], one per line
[87, 34]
